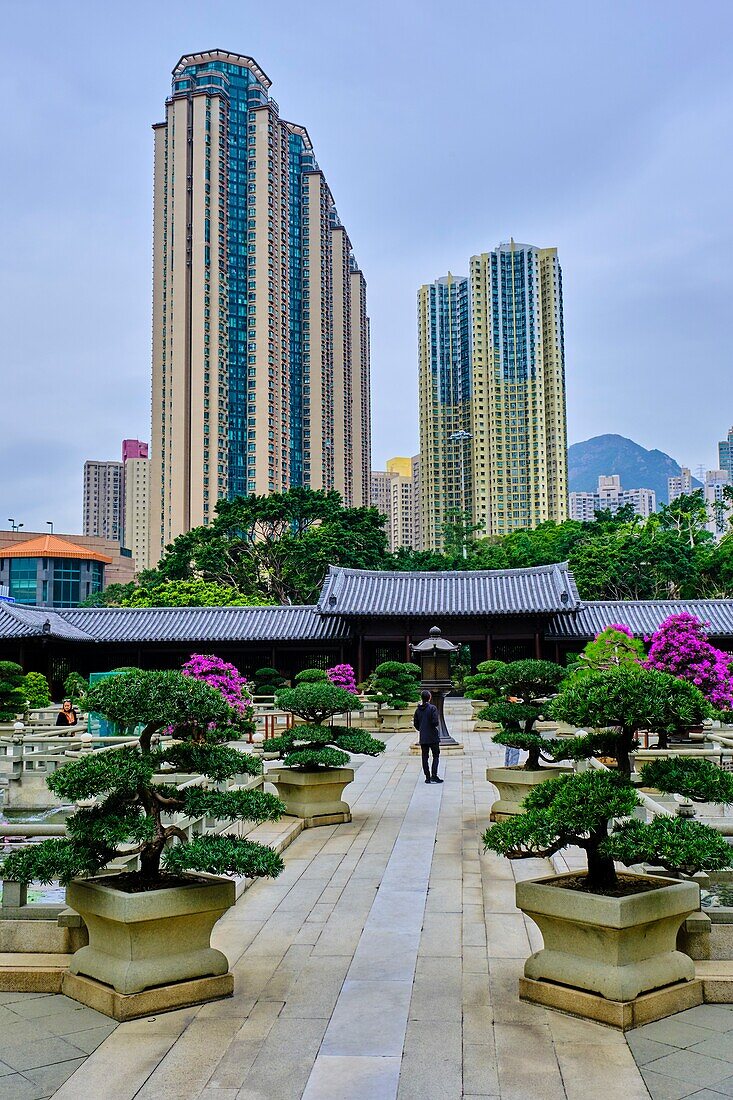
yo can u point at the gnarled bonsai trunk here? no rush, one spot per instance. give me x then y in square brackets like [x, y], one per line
[601, 869]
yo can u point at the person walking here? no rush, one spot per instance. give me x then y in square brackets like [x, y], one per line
[427, 724]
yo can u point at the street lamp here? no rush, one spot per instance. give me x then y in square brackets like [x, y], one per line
[49, 523]
[15, 526]
[463, 437]
[434, 654]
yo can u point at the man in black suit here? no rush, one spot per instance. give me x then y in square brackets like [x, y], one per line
[427, 724]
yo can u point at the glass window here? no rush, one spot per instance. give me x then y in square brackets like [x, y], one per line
[66, 582]
[23, 573]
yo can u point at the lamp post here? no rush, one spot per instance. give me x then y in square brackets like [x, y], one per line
[462, 437]
[434, 654]
[49, 523]
[15, 526]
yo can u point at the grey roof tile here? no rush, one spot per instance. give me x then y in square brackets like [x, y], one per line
[641, 616]
[540, 590]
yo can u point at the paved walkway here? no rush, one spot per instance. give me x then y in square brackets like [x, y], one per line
[382, 965]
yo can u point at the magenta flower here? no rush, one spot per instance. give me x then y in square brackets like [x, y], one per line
[343, 676]
[681, 647]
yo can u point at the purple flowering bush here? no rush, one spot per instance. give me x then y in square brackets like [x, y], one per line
[681, 647]
[343, 676]
[228, 681]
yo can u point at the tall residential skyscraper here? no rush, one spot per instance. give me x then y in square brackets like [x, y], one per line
[725, 455]
[681, 485]
[445, 384]
[493, 435]
[260, 329]
[137, 506]
[104, 500]
[396, 493]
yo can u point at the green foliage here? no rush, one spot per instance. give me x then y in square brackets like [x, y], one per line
[394, 684]
[581, 810]
[629, 698]
[191, 593]
[314, 746]
[611, 648]
[317, 701]
[12, 698]
[224, 855]
[700, 780]
[130, 805]
[267, 681]
[311, 676]
[36, 690]
[76, 688]
[523, 688]
[484, 683]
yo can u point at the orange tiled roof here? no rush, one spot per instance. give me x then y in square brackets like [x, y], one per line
[51, 546]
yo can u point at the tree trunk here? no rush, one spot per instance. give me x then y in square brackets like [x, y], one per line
[625, 746]
[533, 760]
[601, 871]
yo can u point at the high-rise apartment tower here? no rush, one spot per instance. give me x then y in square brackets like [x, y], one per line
[493, 437]
[104, 512]
[260, 329]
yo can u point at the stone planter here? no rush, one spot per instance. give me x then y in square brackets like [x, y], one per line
[514, 784]
[316, 796]
[615, 948]
[398, 721]
[157, 941]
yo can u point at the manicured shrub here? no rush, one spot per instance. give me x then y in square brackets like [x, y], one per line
[36, 690]
[614, 647]
[12, 697]
[130, 805]
[394, 684]
[76, 688]
[524, 688]
[311, 676]
[267, 681]
[484, 683]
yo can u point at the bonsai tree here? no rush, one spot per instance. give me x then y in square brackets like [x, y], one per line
[36, 691]
[698, 780]
[629, 699]
[131, 803]
[394, 684]
[311, 676]
[12, 697]
[614, 647]
[267, 681]
[316, 745]
[343, 676]
[76, 688]
[582, 810]
[484, 683]
[524, 687]
[680, 646]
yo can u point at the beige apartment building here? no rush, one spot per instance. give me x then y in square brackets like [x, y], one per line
[103, 506]
[137, 503]
[493, 436]
[396, 493]
[260, 327]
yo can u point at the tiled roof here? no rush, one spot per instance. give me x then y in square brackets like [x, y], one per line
[17, 621]
[51, 546]
[172, 624]
[541, 590]
[641, 616]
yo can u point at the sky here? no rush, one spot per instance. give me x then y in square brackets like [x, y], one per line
[603, 129]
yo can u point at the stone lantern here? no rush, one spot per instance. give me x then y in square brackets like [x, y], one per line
[434, 654]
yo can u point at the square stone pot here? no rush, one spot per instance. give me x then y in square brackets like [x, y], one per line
[316, 796]
[140, 941]
[617, 948]
[398, 721]
[514, 784]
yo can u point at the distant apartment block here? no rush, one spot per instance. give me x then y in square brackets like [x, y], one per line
[103, 500]
[610, 497]
[137, 505]
[725, 455]
[718, 507]
[680, 485]
[395, 492]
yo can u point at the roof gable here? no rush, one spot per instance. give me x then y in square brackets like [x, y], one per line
[51, 546]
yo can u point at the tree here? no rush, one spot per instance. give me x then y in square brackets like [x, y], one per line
[680, 646]
[394, 684]
[343, 676]
[267, 681]
[629, 699]
[484, 683]
[311, 676]
[611, 648]
[12, 698]
[229, 682]
[130, 805]
[191, 593]
[524, 688]
[315, 745]
[581, 810]
[76, 688]
[36, 690]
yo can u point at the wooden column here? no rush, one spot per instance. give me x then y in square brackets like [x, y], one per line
[360, 675]
[538, 645]
[489, 648]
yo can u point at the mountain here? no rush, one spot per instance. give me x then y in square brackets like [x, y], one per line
[614, 454]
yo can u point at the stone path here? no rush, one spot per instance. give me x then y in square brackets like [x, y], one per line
[690, 1054]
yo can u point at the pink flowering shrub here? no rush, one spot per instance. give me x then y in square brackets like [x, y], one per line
[343, 676]
[680, 646]
[226, 679]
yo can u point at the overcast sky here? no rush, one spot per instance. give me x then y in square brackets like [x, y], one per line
[443, 128]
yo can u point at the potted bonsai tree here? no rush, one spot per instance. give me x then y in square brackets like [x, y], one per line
[482, 687]
[267, 681]
[151, 927]
[314, 755]
[611, 648]
[393, 686]
[627, 699]
[525, 687]
[36, 691]
[608, 934]
[12, 699]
